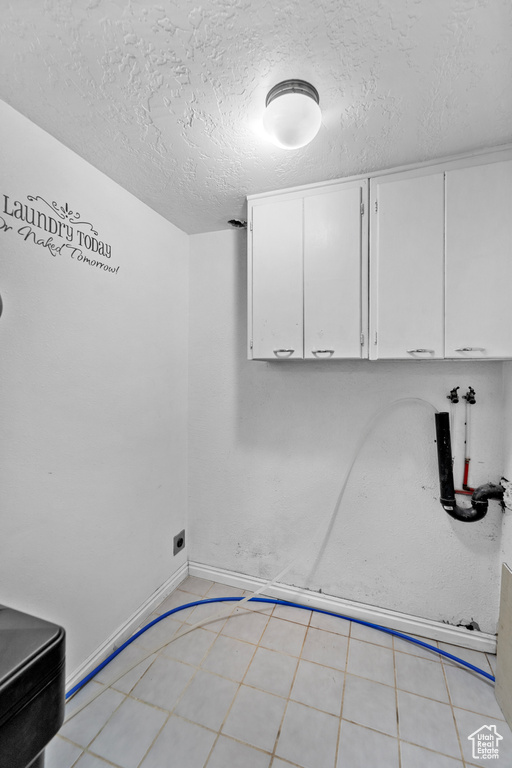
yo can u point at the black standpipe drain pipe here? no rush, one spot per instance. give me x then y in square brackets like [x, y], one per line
[481, 495]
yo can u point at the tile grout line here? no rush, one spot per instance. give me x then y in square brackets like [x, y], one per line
[395, 677]
[100, 757]
[169, 715]
[219, 732]
[95, 754]
[154, 740]
[85, 751]
[283, 760]
[170, 712]
[285, 710]
[453, 713]
[82, 753]
[434, 751]
[338, 740]
[86, 747]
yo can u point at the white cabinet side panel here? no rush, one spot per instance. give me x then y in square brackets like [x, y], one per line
[479, 261]
[504, 659]
[332, 274]
[407, 267]
[277, 289]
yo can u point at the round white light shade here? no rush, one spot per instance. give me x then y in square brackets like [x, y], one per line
[292, 117]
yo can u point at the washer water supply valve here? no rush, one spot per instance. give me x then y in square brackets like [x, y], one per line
[453, 397]
[481, 495]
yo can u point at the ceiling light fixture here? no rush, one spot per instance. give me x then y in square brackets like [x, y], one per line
[292, 115]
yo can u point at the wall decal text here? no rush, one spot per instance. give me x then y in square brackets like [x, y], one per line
[58, 234]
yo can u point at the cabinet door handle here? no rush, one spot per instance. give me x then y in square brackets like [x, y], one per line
[412, 351]
[322, 351]
[470, 349]
[283, 351]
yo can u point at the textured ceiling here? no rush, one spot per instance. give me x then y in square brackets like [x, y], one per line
[166, 97]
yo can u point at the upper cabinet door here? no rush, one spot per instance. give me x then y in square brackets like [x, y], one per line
[335, 237]
[276, 300]
[479, 261]
[407, 266]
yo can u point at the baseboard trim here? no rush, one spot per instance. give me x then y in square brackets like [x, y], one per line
[401, 622]
[127, 629]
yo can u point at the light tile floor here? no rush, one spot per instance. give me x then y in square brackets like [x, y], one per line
[275, 686]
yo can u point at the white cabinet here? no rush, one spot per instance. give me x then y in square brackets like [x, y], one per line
[479, 261]
[276, 280]
[430, 279]
[307, 274]
[407, 266]
[441, 262]
[335, 237]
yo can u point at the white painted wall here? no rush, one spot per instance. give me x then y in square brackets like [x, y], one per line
[93, 382]
[269, 444]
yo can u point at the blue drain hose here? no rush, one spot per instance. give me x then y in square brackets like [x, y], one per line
[115, 653]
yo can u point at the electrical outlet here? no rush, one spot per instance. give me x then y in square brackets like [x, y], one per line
[178, 542]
